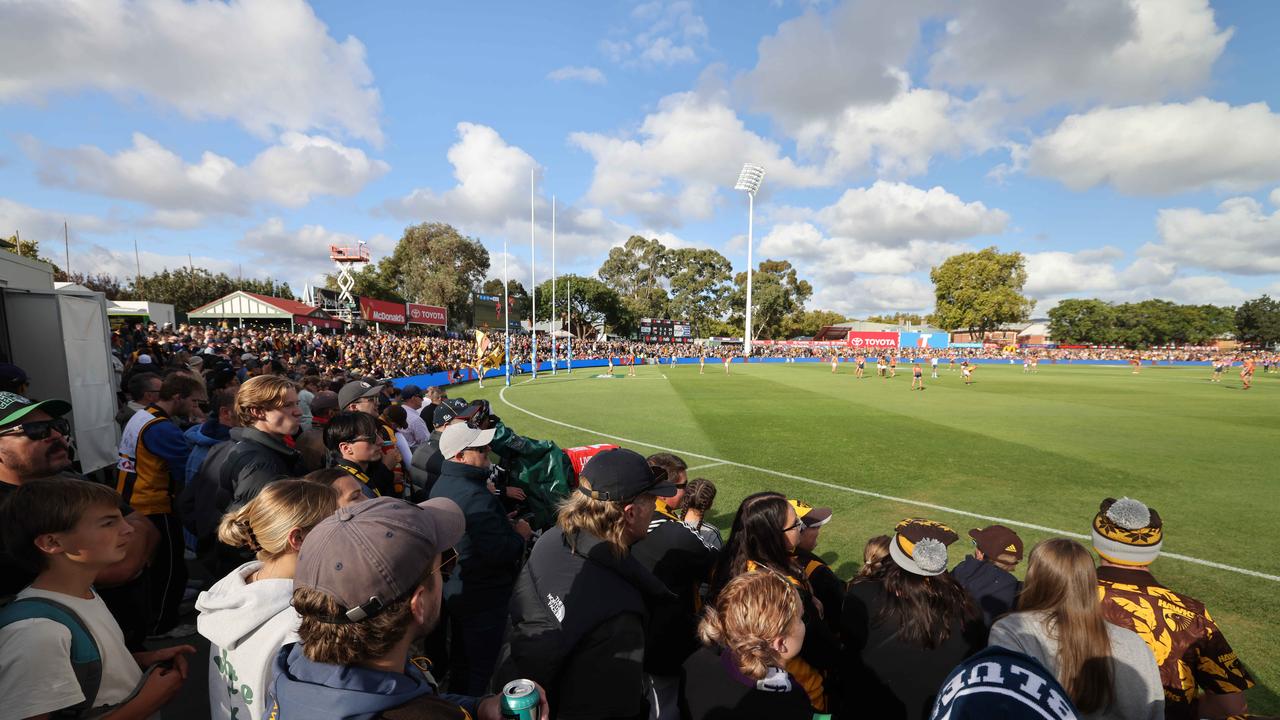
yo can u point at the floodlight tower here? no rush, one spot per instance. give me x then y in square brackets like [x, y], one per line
[749, 182]
[343, 259]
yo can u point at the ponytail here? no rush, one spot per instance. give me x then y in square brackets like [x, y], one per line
[264, 523]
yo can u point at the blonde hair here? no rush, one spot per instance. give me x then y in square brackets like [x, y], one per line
[601, 518]
[874, 554]
[259, 394]
[1062, 582]
[752, 610]
[264, 523]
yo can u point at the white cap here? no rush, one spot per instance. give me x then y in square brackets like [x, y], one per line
[144, 359]
[461, 436]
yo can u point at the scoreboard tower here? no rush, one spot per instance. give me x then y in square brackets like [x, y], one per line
[663, 330]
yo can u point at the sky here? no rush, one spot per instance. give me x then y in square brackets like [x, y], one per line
[1128, 148]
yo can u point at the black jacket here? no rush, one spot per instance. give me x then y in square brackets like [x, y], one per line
[490, 551]
[827, 588]
[993, 590]
[712, 688]
[258, 459]
[577, 626]
[676, 556]
[425, 465]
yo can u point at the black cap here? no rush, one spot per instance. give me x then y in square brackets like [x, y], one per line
[447, 410]
[410, 391]
[620, 475]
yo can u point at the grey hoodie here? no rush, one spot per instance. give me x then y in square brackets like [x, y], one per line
[246, 624]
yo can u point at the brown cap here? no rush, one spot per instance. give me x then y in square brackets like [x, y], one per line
[997, 540]
[324, 400]
[811, 516]
[371, 554]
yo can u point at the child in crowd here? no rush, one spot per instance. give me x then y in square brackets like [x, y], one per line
[247, 615]
[827, 588]
[755, 628]
[874, 554]
[693, 508]
[67, 531]
[987, 575]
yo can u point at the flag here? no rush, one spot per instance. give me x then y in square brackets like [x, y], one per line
[482, 344]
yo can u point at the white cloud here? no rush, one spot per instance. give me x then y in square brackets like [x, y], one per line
[300, 255]
[289, 174]
[670, 33]
[1057, 272]
[875, 294]
[889, 213]
[1240, 237]
[1153, 149]
[1275, 198]
[817, 65]
[268, 66]
[45, 226]
[673, 168]
[586, 74]
[1051, 51]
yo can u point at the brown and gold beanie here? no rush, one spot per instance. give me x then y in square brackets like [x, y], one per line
[919, 546]
[1127, 532]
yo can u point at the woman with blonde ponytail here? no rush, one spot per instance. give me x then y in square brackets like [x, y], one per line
[247, 615]
[754, 629]
[1108, 671]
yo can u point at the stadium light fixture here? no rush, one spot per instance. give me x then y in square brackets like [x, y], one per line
[749, 182]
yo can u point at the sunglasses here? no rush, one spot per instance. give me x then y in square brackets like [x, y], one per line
[40, 429]
[797, 526]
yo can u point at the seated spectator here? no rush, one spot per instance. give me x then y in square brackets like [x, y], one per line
[987, 575]
[1109, 672]
[751, 633]
[905, 629]
[874, 556]
[1009, 686]
[349, 490]
[354, 445]
[1188, 645]
[827, 588]
[247, 616]
[764, 535]
[368, 584]
[693, 508]
[68, 531]
[581, 569]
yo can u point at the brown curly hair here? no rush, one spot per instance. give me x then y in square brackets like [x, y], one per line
[351, 643]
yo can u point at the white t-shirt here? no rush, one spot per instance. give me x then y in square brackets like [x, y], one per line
[36, 676]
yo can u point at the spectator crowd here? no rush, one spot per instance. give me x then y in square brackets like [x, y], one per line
[373, 552]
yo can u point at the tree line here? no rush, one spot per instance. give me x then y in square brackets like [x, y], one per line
[185, 288]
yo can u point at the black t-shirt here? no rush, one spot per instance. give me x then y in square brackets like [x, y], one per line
[712, 688]
[13, 578]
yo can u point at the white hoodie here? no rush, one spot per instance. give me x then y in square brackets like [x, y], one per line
[247, 624]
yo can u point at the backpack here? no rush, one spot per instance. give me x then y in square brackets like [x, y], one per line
[206, 498]
[86, 659]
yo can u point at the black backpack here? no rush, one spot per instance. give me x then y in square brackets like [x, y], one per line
[205, 499]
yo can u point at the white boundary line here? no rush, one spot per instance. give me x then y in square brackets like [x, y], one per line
[502, 395]
[698, 467]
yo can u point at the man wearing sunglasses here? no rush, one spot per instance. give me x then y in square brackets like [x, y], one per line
[490, 552]
[34, 444]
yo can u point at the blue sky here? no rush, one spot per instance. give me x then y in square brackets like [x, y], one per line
[1129, 148]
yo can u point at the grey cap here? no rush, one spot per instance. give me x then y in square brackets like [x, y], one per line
[371, 554]
[355, 390]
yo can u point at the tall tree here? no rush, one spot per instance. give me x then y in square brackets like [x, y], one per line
[979, 291]
[700, 288]
[187, 289]
[808, 323]
[1258, 321]
[435, 264]
[776, 293]
[899, 318]
[636, 270]
[1083, 322]
[592, 306]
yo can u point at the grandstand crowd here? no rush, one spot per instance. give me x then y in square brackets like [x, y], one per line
[348, 549]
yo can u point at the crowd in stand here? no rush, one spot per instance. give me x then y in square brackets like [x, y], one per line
[376, 552]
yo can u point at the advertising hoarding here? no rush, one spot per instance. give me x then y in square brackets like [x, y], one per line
[382, 311]
[427, 315]
[871, 341]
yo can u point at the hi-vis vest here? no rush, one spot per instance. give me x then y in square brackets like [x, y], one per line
[143, 479]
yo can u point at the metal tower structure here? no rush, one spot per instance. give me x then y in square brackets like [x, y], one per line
[344, 258]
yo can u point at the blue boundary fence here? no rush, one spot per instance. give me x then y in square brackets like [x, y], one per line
[445, 378]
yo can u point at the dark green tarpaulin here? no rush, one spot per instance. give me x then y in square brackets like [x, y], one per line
[539, 468]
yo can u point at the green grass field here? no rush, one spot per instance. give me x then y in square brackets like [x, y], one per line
[1042, 450]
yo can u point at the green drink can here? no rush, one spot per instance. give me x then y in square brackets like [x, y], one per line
[520, 700]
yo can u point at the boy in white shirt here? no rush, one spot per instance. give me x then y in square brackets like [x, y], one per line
[68, 530]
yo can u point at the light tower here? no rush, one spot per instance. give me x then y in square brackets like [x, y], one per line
[343, 259]
[749, 182]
